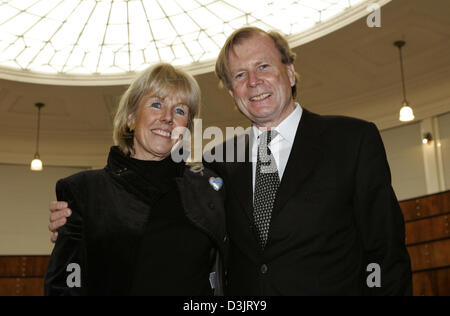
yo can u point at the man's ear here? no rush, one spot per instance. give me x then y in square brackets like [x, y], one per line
[291, 74]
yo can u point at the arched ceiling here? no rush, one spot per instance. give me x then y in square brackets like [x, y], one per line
[353, 71]
[104, 42]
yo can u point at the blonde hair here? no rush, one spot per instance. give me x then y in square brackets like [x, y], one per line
[160, 80]
[287, 55]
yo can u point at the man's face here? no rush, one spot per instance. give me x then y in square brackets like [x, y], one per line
[261, 83]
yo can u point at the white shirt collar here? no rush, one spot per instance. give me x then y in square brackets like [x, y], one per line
[287, 128]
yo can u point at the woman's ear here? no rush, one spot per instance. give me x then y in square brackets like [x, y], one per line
[131, 122]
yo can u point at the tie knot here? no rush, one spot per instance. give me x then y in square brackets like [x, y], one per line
[267, 136]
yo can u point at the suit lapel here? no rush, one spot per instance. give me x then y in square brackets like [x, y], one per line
[241, 178]
[304, 156]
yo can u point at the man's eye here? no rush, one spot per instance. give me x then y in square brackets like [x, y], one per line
[264, 66]
[239, 75]
[156, 105]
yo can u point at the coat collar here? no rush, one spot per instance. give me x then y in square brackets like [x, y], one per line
[118, 162]
[130, 174]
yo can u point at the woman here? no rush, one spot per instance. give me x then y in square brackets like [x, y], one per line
[144, 225]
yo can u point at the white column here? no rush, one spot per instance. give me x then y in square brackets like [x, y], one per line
[434, 176]
[440, 162]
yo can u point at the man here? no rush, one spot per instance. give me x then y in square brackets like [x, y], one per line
[311, 210]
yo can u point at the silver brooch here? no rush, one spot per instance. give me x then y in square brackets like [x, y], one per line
[216, 183]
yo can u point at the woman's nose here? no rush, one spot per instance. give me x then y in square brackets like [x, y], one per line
[167, 116]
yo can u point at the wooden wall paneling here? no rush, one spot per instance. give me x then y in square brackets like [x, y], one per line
[431, 255]
[423, 284]
[427, 206]
[22, 275]
[32, 286]
[36, 266]
[442, 278]
[11, 266]
[23, 266]
[10, 287]
[21, 286]
[432, 283]
[427, 229]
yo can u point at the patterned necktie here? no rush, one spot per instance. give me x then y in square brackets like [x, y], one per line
[267, 182]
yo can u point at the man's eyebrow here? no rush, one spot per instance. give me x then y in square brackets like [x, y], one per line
[233, 72]
[260, 61]
[237, 70]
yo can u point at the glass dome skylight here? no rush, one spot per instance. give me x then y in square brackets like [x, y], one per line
[100, 38]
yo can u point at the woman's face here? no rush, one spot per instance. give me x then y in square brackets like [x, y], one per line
[157, 124]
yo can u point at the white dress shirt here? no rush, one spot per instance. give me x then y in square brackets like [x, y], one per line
[281, 145]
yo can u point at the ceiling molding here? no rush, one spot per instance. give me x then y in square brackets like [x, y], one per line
[325, 28]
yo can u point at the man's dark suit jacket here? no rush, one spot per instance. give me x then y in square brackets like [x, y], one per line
[335, 213]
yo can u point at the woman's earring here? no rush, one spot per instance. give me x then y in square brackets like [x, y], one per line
[131, 127]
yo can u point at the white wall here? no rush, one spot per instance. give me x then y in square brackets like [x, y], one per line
[404, 152]
[419, 169]
[24, 201]
[444, 131]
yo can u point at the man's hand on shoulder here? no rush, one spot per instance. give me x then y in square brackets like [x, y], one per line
[59, 211]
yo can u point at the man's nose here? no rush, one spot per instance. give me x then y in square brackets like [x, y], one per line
[253, 79]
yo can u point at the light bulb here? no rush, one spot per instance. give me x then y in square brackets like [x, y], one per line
[36, 165]
[427, 138]
[406, 113]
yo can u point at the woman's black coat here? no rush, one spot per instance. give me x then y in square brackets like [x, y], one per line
[110, 209]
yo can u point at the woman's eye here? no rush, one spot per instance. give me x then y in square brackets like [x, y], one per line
[156, 105]
[264, 66]
[179, 111]
[239, 75]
